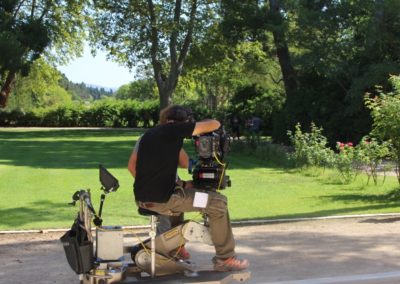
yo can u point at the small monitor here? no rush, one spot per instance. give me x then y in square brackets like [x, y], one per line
[108, 181]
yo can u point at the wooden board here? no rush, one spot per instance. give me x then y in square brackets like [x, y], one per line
[205, 277]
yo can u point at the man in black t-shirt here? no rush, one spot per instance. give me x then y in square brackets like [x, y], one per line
[154, 187]
[165, 223]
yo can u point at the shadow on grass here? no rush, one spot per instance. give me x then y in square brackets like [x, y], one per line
[65, 154]
[36, 212]
[27, 148]
[390, 197]
[60, 133]
[46, 214]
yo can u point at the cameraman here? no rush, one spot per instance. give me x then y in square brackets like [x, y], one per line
[155, 189]
[167, 222]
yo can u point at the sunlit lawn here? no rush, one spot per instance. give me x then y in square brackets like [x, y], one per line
[40, 169]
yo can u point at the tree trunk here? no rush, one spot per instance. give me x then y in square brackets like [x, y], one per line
[282, 51]
[167, 84]
[6, 88]
[165, 94]
[287, 118]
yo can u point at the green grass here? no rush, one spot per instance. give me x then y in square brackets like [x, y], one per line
[40, 169]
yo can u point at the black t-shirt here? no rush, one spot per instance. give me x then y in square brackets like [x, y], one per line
[157, 161]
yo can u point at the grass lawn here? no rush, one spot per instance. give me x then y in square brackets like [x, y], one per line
[40, 169]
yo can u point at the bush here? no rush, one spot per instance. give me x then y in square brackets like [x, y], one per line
[14, 117]
[346, 161]
[129, 115]
[385, 111]
[310, 149]
[149, 113]
[371, 154]
[103, 113]
[31, 118]
[59, 116]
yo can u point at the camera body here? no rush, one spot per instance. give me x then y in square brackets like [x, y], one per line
[209, 171]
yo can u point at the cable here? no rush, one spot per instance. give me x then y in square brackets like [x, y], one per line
[168, 258]
[223, 170]
[181, 244]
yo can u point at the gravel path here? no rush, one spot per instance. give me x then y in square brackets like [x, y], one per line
[277, 252]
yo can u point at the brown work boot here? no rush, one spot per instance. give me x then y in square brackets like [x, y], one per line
[230, 264]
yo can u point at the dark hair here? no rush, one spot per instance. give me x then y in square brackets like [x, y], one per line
[176, 113]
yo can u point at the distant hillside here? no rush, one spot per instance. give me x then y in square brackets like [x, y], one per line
[82, 91]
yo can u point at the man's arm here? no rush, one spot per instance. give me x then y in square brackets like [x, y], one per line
[132, 163]
[183, 159]
[206, 126]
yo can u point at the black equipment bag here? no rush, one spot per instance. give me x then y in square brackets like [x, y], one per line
[78, 248]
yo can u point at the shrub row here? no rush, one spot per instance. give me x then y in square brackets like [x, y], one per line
[102, 113]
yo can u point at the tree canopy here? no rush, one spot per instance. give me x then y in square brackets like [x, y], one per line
[29, 28]
[152, 32]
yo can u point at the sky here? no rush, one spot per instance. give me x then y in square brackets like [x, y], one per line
[96, 71]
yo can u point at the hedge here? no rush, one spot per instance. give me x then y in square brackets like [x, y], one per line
[102, 113]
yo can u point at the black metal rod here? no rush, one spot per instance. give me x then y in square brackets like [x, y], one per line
[102, 198]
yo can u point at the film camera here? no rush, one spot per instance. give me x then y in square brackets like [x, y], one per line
[209, 170]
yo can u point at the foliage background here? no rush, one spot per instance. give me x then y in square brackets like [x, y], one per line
[338, 51]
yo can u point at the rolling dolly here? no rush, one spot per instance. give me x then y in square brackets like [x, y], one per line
[105, 259]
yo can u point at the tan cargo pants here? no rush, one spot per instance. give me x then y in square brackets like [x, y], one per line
[217, 211]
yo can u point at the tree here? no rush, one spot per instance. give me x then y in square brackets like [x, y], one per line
[219, 67]
[278, 27]
[40, 88]
[29, 27]
[156, 32]
[249, 20]
[330, 52]
[343, 49]
[142, 90]
[256, 21]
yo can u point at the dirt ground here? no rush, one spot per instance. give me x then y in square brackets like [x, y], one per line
[277, 252]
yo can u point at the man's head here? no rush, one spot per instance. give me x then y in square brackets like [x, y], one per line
[175, 113]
